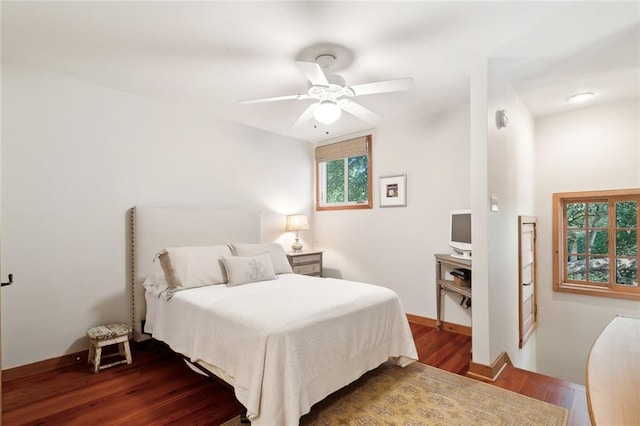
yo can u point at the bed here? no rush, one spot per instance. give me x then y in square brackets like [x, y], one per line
[283, 344]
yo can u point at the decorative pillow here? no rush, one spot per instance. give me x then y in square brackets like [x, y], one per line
[188, 267]
[243, 270]
[156, 283]
[278, 257]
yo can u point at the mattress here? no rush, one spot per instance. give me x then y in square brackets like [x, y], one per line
[287, 343]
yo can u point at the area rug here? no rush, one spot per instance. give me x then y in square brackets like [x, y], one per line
[422, 395]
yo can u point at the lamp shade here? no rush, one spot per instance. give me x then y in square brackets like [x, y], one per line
[327, 112]
[297, 222]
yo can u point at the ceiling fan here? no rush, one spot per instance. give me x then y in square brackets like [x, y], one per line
[332, 94]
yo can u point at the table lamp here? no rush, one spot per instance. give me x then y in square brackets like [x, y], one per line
[297, 222]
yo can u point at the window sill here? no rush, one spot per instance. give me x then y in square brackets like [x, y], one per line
[345, 207]
[595, 291]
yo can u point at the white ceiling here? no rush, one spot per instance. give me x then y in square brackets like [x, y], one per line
[209, 55]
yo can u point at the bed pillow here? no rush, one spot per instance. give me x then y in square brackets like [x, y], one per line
[189, 267]
[248, 269]
[278, 257]
[156, 283]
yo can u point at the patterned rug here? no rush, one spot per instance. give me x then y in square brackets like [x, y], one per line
[422, 395]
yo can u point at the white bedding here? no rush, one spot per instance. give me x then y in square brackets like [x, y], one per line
[285, 344]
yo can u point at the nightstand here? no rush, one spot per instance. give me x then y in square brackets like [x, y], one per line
[306, 262]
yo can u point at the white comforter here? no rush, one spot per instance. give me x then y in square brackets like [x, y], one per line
[288, 343]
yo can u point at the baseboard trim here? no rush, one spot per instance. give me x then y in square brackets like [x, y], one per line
[26, 370]
[448, 326]
[489, 373]
[62, 361]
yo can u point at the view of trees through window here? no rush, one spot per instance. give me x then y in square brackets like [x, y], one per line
[601, 242]
[356, 188]
[343, 171]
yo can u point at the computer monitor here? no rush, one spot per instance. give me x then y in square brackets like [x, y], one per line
[460, 234]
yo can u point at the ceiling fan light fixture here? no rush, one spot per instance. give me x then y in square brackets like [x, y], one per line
[327, 112]
[332, 95]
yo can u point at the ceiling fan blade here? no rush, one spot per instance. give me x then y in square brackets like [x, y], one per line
[313, 72]
[359, 111]
[275, 98]
[305, 117]
[386, 86]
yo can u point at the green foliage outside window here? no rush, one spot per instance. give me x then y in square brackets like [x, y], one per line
[335, 181]
[343, 171]
[587, 242]
[627, 242]
[357, 188]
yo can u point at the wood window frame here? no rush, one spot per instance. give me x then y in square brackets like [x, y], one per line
[610, 289]
[369, 203]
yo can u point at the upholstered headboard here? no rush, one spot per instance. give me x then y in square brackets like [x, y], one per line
[156, 228]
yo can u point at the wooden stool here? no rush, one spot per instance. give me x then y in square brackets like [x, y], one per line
[104, 335]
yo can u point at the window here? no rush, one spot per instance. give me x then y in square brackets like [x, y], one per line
[343, 175]
[595, 236]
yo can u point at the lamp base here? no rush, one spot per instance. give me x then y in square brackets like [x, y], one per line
[296, 247]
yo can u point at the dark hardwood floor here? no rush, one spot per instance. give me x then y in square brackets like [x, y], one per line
[159, 389]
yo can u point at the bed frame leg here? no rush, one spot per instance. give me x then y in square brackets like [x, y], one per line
[243, 416]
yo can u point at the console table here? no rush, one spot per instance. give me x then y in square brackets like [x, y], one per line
[448, 285]
[613, 374]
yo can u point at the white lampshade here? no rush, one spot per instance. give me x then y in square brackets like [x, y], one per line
[327, 112]
[297, 222]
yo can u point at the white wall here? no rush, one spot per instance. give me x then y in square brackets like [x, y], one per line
[75, 157]
[590, 149]
[503, 166]
[395, 246]
[480, 213]
[511, 180]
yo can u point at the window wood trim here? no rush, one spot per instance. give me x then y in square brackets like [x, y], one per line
[369, 203]
[559, 249]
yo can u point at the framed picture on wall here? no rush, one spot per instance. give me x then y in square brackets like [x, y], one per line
[393, 191]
